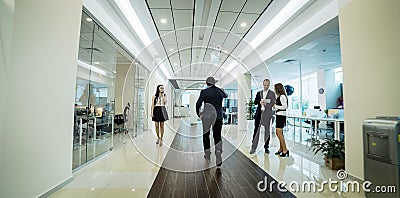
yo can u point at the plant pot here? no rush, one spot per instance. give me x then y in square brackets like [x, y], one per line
[334, 163]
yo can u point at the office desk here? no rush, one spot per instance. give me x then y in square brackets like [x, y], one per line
[336, 127]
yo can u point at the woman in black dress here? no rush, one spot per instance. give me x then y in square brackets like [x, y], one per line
[159, 112]
[280, 109]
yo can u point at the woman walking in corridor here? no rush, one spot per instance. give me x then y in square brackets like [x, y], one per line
[159, 112]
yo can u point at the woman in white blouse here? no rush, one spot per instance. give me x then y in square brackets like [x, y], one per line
[280, 109]
[159, 112]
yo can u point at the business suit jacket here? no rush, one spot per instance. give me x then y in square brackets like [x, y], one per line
[268, 112]
[212, 98]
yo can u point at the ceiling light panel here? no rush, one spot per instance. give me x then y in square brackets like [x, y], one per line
[158, 3]
[186, 71]
[185, 62]
[233, 39]
[249, 19]
[159, 14]
[232, 6]
[168, 37]
[183, 18]
[170, 46]
[255, 6]
[185, 49]
[218, 38]
[184, 37]
[195, 52]
[225, 21]
[182, 4]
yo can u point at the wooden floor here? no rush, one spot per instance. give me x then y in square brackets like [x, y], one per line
[182, 176]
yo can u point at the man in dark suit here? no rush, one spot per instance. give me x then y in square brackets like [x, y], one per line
[265, 99]
[212, 115]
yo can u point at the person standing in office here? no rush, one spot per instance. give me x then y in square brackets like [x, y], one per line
[280, 107]
[265, 99]
[212, 115]
[159, 113]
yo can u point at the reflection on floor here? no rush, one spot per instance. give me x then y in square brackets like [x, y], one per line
[94, 148]
[130, 170]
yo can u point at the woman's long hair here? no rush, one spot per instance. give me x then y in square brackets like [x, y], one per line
[157, 94]
[280, 90]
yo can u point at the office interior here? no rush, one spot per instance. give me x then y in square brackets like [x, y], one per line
[68, 75]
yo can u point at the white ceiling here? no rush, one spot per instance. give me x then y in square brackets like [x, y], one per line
[318, 50]
[196, 29]
[185, 42]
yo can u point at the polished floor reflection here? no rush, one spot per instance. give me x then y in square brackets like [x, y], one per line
[131, 168]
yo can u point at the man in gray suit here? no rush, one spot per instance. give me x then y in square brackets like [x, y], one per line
[265, 99]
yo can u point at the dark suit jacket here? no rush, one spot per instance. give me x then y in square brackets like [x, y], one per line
[268, 113]
[212, 98]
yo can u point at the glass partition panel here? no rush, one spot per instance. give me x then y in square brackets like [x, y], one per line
[99, 54]
[139, 115]
[82, 130]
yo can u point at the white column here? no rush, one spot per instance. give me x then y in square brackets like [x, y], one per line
[128, 94]
[193, 115]
[41, 65]
[321, 85]
[369, 40]
[244, 94]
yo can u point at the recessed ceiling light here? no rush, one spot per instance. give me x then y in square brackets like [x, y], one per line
[89, 19]
[171, 49]
[96, 63]
[243, 25]
[163, 20]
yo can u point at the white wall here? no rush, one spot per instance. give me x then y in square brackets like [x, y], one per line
[128, 95]
[369, 39]
[122, 70]
[6, 24]
[39, 98]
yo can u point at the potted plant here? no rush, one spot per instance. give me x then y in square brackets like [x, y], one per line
[333, 151]
[250, 110]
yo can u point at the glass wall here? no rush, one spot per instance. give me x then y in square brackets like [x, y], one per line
[138, 103]
[309, 91]
[99, 54]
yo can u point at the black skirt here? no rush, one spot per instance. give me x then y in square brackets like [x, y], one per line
[280, 121]
[160, 114]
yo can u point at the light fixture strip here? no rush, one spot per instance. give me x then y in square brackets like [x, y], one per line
[127, 9]
[288, 11]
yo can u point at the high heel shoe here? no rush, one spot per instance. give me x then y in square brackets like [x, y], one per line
[284, 154]
[278, 153]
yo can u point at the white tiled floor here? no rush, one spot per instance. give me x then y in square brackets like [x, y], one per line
[129, 170]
